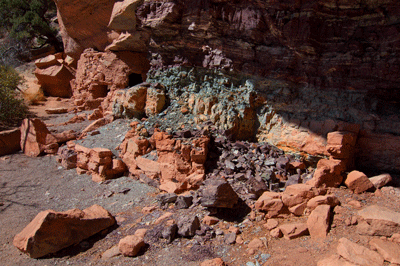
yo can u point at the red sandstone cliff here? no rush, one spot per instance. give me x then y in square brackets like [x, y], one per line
[320, 65]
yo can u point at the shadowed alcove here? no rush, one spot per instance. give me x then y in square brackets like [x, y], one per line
[134, 79]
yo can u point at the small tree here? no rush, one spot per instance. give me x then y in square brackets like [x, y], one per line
[12, 107]
[28, 19]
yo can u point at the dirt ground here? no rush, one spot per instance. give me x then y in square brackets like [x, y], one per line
[30, 185]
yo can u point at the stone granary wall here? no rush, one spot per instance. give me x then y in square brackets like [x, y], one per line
[287, 72]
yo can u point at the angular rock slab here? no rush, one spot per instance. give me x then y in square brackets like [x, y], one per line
[295, 230]
[358, 182]
[375, 212]
[10, 141]
[358, 254]
[219, 194]
[390, 251]
[334, 260]
[378, 221]
[52, 231]
[130, 246]
[55, 80]
[380, 180]
[319, 220]
[35, 137]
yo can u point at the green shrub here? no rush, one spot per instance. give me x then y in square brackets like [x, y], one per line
[29, 21]
[12, 107]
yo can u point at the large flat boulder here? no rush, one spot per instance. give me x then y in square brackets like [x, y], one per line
[378, 221]
[375, 212]
[51, 231]
[358, 254]
[55, 80]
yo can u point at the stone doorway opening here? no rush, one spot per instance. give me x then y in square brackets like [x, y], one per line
[134, 79]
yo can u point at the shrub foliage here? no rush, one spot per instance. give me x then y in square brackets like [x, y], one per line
[27, 20]
[12, 107]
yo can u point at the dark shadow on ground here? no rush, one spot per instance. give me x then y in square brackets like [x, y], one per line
[236, 214]
[7, 191]
[82, 246]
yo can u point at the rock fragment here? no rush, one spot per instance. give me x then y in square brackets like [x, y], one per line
[218, 193]
[68, 158]
[269, 202]
[358, 254]
[57, 110]
[213, 262]
[330, 200]
[183, 202]
[230, 238]
[210, 220]
[169, 232]
[10, 141]
[380, 180]
[35, 137]
[334, 260]
[358, 182]
[390, 251]
[111, 252]
[130, 246]
[71, 227]
[187, 225]
[271, 224]
[378, 221]
[328, 172]
[318, 221]
[164, 199]
[256, 244]
[294, 230]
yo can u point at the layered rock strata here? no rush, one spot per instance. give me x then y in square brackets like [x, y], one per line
[287, 73]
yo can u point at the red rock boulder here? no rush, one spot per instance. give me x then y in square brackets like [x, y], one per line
[55, 80]
[52, 231]
[36, 138]
[10, 141]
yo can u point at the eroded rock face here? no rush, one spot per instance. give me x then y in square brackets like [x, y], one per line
[259, 37]
[288, 73]
[83, 24]
[52, 231]
[138, 101]
[305, 73]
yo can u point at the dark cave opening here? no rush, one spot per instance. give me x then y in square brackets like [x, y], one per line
[135, 79]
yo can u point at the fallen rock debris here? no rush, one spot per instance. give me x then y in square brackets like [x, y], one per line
[218, 175]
